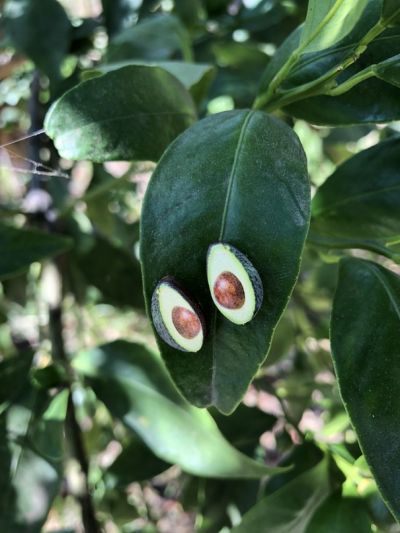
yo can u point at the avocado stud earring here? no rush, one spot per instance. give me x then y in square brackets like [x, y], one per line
[177, 319]
[235, 285]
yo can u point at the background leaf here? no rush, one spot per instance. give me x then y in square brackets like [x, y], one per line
[157, 37]
[291, 507]
[26, 246]
[239, 177]
[135, 387]
[341, 515]
[130, 113]
[30, 477]
[196, 77]
[356, 209]
[365, 340]
[41, 30]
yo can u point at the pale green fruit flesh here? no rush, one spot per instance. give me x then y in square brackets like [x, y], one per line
[235, 285]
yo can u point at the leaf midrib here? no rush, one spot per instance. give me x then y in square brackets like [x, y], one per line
[231, 179]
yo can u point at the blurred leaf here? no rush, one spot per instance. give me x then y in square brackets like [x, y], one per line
[365, 338]
[135, 387]
[156, 38]
[391, 9]
[356, 209]
[191, 12]
[130, 113]
[237, 170]
[291, 507]
[341, 515]
[136, 462]
[114, 271]
[118, 14]
[29, 482]
[328, 22]
[244, 427]
[41, 30]
[21, 247]
[196, 77]
[14, 373]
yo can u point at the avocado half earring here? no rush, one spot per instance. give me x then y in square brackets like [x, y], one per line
[235, 285]
[177, 318]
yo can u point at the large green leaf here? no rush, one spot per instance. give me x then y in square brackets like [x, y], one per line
[365, 345]
[238, 177]
[356, 209]
[341, 515]
[130, 113]
[31, 449]
[134, 385]
[291, 507]
[156, 38]
[41, 30]
[21, 247]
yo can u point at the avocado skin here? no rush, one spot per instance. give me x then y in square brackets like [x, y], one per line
[250, 269]
[157, 317]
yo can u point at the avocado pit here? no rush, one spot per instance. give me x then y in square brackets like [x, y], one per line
[228, 291]
[186, 322]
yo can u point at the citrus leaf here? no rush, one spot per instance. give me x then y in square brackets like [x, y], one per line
[134, 385]
[196, 77]
[130, 113]
[361, 210]
[329, 21]
[365, 338]
[341, 515]
[291, 507]
[238, 177]
[21, 247]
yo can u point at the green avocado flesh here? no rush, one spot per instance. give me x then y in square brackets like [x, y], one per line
[235, 284]
[177, 320]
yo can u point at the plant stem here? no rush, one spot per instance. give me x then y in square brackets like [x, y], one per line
[72, 426]
[369, 72]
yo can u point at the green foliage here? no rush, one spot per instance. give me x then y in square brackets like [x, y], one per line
[114, 116]
[364, 345]
[135, 137]
[22, 247]
[135, 387]
[29, 31]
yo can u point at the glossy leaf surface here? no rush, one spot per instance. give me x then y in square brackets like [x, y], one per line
[358, 206]
[238, 177]
[131, 113]
[26, 246]
[291, 507]
[365, 345]
[134, 385]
